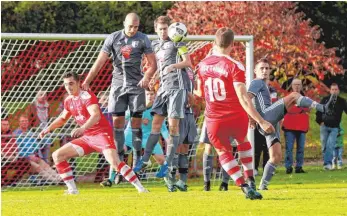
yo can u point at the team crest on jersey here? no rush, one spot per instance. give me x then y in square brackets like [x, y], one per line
[135, 44]
[126, 51]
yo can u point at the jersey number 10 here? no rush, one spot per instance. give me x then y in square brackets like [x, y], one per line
[216, 89]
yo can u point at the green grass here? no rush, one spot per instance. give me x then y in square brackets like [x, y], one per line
[316, 193]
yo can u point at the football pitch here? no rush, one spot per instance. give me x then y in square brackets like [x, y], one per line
[317, 192]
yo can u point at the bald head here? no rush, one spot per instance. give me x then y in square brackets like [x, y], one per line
[297, 85]
[132, 16]
[131, 24]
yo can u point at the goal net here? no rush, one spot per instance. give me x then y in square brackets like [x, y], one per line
[32, 63]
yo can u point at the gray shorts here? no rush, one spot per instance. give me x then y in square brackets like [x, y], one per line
[204, 137]
[123, 97]
[170, 103]
[273, 114]
[187, 128]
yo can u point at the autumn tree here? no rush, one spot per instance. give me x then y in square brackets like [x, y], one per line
[280, 33]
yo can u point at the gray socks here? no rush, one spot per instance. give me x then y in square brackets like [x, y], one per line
[171, 149]
[207, 161]
[269, 171]
[151, 142]
[137, 144]
[119, 139]
[183, 165]
[308, 102]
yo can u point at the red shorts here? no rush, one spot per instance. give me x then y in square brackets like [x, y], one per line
[220, 131]
[95, 143]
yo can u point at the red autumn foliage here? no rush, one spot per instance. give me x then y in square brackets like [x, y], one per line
[280, 34]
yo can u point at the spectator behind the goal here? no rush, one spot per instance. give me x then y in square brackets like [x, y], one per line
[295, 131]
[39, 115]
[23, 125]
[329, 124]
[6, 132]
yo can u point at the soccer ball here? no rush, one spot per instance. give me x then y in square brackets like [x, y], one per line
[177, 31]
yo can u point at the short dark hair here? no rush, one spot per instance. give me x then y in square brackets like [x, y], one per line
[334, 84]
[162, 20]
[74, 75]
[224, 37]
[262, 60]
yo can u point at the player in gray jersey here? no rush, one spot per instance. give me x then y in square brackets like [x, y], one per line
[127, 48]
[171, 58]
[188, 133]
[273, 113]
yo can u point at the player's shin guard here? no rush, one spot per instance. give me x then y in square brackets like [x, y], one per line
[225, 176]
[137, 143]
[207, 161]
[269, 171]
[112, 174]
[230, 165]
[65, 173]
[171, 150]
[151, 142]
[308, 102]
[183, 165]
[129, 175]
[245, 156]
[119, 139]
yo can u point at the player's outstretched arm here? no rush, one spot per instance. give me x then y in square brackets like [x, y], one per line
[247, 105]
[100, 61]
[152, 68]
[183, 64]
[57, 123]
[94, 118]
[199, 90]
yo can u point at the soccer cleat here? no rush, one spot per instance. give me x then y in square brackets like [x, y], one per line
[250, 193]
[119, 178]
[143, 190]
[162, 171]
[141, 165]
[251, 183]
[106, 183]
[333, 167]
[223, 186]
[171, 188]
[327, 167]
[339, 166]
[289, 170]
[71, 192]
[180, 185]
[262, 187]
[299, 170]
[328, 107]
[207, 186]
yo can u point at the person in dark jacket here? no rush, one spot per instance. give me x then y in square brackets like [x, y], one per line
[329, 124]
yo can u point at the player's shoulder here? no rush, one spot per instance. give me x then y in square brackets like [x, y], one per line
[155, 42]
[257, 82]
[141, 35]
[116, 34]
[86, 95]
[233, 61]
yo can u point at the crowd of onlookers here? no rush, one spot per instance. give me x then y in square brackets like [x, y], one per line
[23, 154]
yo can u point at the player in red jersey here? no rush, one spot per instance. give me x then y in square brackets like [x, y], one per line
[221, 80]
[93, 135]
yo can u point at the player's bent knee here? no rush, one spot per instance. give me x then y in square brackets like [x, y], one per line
[136, 114]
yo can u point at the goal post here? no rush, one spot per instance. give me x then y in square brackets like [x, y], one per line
[35, 62]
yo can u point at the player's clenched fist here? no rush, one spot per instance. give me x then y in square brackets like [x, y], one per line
[44, 132]
[77, 132]
[267, 127]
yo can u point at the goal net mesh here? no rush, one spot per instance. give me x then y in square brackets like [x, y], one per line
[31, 66]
